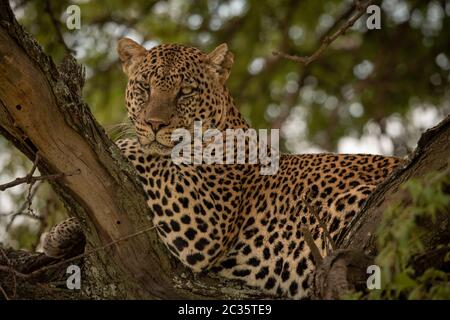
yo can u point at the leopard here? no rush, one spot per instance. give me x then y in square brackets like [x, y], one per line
[229, 219]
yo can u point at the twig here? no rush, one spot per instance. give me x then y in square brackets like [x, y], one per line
[17, 273]
[55, 23]
[38, 178]
[35, 164]
[312, 209]
[38, 271]
[327, 40]
[109, 244]
[26, 204]
[311, 244]
[26, 179]
[29, 195]
[308, 236]
[4, 293]
[29, 180]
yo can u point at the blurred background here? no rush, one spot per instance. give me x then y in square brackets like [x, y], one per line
[372, 91]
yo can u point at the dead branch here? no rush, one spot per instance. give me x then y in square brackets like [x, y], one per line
[77, 257]
[327, 40]
[26, 179]
[56, 25]
[318, 259]
[326, 233]
[31, 180]
[4, 293]
[25, 204]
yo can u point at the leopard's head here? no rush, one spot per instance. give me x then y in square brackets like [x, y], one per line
[171, 86]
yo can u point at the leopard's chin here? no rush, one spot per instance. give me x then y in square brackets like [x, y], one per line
[156, 148]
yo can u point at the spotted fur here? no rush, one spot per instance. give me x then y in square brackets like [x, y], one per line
[230, 219]
[65, 239]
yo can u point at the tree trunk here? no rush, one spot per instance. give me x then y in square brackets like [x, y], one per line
[41, 110]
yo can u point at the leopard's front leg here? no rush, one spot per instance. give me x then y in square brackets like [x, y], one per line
[192, 218]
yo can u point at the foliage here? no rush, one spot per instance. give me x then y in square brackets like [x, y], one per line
[367, 75]
[401, 239]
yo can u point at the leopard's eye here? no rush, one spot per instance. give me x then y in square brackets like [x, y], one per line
[141, 82]
[143, 85]
[141, 93]
[186, 90]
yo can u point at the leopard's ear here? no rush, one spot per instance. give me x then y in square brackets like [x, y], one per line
[129, 53]
[221, 59]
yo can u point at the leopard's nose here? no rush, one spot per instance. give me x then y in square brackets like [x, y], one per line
[155, 124]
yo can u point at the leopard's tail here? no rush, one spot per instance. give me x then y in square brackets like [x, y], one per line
[65, 240]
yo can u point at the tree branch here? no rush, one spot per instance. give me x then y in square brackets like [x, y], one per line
[342, 271]
[56, 26]
[327, 40]
[41, 111]
[32, 179]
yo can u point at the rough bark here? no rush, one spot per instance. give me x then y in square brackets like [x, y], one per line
[340, 273]
[41, 110]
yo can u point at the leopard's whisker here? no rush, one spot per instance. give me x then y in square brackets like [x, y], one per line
[118, 125]
[125, 133]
